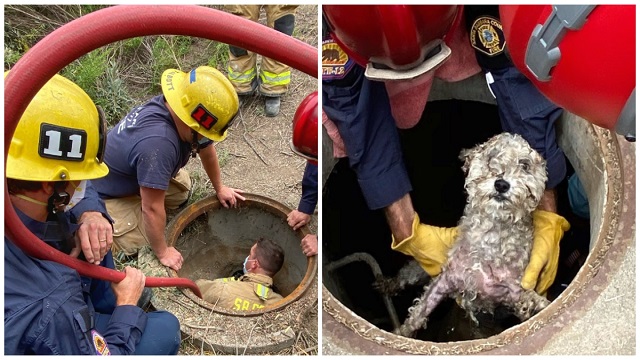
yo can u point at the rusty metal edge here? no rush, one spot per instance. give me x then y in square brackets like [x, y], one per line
[191, 212]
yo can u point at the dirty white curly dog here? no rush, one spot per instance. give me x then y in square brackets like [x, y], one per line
[505, 181]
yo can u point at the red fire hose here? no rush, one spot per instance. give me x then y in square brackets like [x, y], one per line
[103, 27]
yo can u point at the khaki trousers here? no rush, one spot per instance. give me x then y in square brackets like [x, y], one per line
[128, 230]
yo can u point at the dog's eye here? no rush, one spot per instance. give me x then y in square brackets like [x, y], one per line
[525, 165]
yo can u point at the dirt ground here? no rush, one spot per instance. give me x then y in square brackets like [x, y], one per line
[256, 157]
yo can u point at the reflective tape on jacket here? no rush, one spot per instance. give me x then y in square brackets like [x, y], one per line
[262, 291]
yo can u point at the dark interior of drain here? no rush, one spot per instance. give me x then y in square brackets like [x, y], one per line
[431, 153]
[216, 243]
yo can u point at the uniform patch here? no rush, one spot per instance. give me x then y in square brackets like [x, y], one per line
[487, 36]
[100, 344]
[335, 62]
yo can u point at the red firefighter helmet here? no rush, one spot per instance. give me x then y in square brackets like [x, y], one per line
[582, 57]
[304, 140]
[396, 37]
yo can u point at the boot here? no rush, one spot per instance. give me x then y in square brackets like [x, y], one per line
[272, 106]
[245, 97]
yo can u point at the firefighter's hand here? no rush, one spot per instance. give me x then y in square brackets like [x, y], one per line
[95, 235]
[309, 245]
[229, 197]
[429, 245]
[297, 219]
[543, 265]
[129, 290]
[171, 257]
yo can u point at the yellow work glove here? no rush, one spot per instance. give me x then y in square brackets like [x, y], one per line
[548, 229]
[429, 245]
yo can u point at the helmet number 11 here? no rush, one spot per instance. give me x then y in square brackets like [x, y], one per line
[62, 143]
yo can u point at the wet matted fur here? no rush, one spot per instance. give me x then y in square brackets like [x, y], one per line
[505, 181]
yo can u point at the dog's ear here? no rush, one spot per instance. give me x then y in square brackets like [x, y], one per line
[466, 155]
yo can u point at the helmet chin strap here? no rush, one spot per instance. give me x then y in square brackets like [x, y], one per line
[57, 203]
[195, 146]
[31, 200]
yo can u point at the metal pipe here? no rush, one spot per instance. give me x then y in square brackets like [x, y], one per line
[375, 268]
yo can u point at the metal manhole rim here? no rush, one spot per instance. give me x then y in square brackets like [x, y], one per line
[513, 335]
[191, 212]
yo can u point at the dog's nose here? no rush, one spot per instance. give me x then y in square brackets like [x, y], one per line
[501, 186]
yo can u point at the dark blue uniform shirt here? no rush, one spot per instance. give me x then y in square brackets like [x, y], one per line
[360, 110]
[309, 198]
[523, 109]
[143, 150]
[48, 307]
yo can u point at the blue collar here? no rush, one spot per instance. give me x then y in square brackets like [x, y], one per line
[49, 231]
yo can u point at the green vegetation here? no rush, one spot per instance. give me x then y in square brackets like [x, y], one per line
[220, 56]
[116, 76]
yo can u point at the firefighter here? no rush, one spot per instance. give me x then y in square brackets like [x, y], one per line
[363, 110]
[49, 308]
[274, 77]
[253, 289]
[147, 150]
[304, 143]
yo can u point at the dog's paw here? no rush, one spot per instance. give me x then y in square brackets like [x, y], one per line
[406, 331]
[530, 304]
[386, 286]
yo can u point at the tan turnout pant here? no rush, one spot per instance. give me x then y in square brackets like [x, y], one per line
[128, 230]
[274, 75]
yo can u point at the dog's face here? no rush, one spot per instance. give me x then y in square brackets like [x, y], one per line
[505, 176]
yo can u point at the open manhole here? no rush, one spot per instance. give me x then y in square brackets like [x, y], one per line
[356, 241]
[214, 242]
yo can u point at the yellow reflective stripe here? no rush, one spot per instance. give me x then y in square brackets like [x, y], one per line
[262, 291]
[275, 79]
[241, 77]
[229, 279]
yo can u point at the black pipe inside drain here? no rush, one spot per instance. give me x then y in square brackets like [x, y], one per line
[431, 155]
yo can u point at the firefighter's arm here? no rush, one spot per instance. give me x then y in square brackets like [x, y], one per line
[155, 218]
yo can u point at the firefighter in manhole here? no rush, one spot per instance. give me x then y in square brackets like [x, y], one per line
[253, 288]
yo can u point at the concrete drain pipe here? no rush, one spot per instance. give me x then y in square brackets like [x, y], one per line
[214, 242]
[600, 299]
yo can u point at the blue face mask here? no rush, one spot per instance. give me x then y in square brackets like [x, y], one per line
[244, 265]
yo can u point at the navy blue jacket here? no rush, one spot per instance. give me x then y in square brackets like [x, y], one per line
[48, 307]
[360, 110]
[309, 198]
